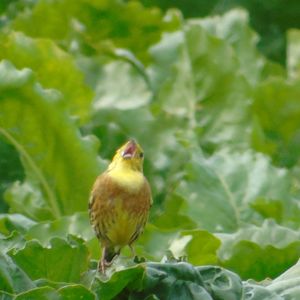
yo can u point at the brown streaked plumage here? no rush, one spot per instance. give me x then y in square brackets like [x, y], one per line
[120, 202]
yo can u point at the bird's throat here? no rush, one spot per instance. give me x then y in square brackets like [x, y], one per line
[128, 179]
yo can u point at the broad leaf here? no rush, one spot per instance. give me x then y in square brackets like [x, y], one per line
[218, 190]
[61, 261]
[33, 121]
[53, 67]
[262, 246]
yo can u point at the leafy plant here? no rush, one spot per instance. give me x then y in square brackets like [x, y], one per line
[219, 125]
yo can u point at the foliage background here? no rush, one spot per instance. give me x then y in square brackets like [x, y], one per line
[212, 94]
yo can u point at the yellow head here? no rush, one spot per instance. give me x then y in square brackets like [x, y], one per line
[129, 156]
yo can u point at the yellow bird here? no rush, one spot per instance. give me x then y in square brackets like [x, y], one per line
[120, 202]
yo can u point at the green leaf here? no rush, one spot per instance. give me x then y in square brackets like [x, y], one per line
[200, 81]
[63, 177]
[12, 278]
[27, 199]
[47, 293]
[284, 212]
[81, 21]
[199, 246]
[154, 242]
[262, 246]
[14, 240]
[288, 284]
[69, 257]
[78, 225]
[233, 27]
[254, 291]
[218, 190]
[183, 281]
[53, 67]
[10, 169]
[76, 292]
[107, 290]
[43, 293]
[222, 283]
[276, 110]
[171, 218]
[131, 92]
[12, 222]
[6, 296]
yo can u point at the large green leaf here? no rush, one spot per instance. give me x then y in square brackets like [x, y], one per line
[78, 224]
[170, 281]
[61, 261]
[233, 27]
[218, 190]
[32, 119]
[197, 76]
[261, 246]
[53, 67]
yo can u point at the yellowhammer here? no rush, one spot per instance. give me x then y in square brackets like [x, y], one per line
[120, 202]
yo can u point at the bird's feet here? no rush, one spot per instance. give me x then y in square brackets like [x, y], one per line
[103, 265]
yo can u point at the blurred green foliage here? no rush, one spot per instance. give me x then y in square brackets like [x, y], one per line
[271, 19]
[218, 122]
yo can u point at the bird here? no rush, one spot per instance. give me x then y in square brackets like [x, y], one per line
[120, 202]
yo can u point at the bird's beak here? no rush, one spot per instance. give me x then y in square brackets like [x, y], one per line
[129, 150]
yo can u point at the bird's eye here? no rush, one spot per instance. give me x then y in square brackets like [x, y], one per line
[141, 155]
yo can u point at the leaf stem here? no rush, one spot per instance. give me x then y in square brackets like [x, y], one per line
[51, 196]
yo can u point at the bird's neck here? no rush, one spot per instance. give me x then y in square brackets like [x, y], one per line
[130, 179]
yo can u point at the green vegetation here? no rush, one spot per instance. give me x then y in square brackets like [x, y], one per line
[219, 123]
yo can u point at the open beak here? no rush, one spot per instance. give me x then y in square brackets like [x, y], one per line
[130, 149]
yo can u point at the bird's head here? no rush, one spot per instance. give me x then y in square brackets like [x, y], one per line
[130, 155]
